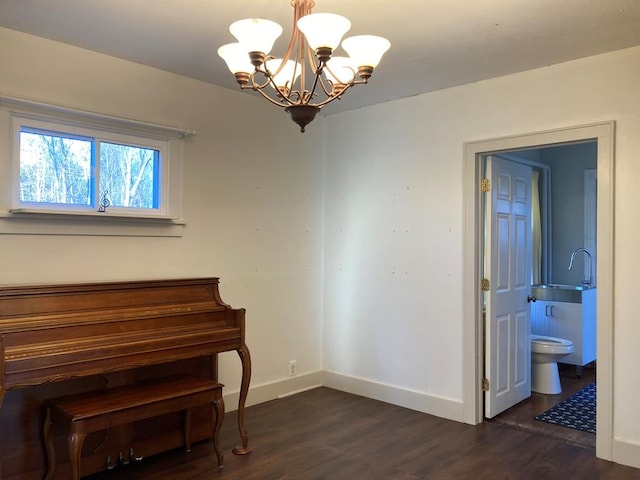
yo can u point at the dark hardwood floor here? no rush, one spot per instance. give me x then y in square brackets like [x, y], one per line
[523, 415]
[327, 434]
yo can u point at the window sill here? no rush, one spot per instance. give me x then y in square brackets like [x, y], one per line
[34, 222]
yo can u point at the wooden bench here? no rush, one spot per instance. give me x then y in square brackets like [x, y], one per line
[82, 414]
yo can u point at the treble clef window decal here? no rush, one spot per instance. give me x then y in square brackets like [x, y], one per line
[104, 201]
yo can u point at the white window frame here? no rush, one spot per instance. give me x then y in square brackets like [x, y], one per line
[23, 217]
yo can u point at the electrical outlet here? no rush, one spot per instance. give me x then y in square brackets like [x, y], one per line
[292, 368]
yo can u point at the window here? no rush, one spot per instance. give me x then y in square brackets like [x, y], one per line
[67, 164]
[79, 170]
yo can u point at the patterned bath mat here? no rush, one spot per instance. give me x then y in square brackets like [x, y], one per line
[577, 411]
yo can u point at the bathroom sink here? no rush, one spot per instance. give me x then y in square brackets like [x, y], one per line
[557, 292]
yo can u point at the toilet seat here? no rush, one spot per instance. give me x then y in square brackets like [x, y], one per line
[543, 344]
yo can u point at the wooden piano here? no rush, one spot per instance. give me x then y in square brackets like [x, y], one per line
[78, 336]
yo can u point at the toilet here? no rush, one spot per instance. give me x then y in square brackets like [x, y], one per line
[545, 354]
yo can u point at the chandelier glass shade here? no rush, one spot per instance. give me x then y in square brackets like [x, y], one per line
[308, 76]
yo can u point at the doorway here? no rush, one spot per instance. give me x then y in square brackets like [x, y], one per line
[603, 134]
[563, 205]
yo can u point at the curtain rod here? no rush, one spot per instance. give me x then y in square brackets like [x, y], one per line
[34, 104]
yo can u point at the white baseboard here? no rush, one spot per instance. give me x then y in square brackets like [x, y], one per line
[414, 400]
[271, 391]
[419, 401]
[625, 453]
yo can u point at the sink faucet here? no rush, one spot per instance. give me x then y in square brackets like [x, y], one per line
[585, 281]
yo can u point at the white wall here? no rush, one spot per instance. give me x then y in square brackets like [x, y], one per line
[252, 202]
[392, 290]
[568, 164]
[394, 229]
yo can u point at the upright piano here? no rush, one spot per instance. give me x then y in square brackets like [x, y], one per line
[58, 333]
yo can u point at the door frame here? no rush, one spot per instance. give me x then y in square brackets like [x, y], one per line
[473, 332]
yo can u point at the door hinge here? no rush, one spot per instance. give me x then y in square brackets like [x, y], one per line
[484, 284]
[485, 185]
[485, 385]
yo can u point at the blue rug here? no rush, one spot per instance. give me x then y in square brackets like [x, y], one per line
[577, 411]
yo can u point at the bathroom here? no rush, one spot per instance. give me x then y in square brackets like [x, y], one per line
[567, 184]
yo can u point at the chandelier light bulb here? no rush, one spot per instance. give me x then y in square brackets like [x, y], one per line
[339, 70]
[256, 34]
[285, 77]
[236, 57]
[366, 50]
[323, 30]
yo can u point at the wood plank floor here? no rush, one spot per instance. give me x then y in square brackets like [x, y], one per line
[327, 434]
[523, 415]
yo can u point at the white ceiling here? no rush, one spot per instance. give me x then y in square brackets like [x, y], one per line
[434, 43]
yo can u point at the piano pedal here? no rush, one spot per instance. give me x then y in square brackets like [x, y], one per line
[132, 456]
[122, 460]
[109, 464]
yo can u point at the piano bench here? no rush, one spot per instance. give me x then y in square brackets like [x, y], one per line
[79, 415]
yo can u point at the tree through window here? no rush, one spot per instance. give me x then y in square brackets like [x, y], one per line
[129, 175]
[61, 169]
[54, 169]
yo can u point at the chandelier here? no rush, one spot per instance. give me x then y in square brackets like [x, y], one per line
[308, 76]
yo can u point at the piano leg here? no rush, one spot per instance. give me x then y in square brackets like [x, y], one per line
[245, 358]
[218, 417]
[48, 443]
[75, 449]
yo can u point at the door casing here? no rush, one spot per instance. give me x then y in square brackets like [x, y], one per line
[603, 133]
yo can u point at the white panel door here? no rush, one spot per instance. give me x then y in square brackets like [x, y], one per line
[508, 269]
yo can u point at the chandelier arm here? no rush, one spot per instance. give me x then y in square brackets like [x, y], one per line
[323, 85]
[301, 8]
[316, 68]
[310, 94]
[325, 89]
[287, 101]
[275, 102]
[330, 98]
[302, 60]
[256, 85]
[259, 87]
[285, 96]
[298, 64]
